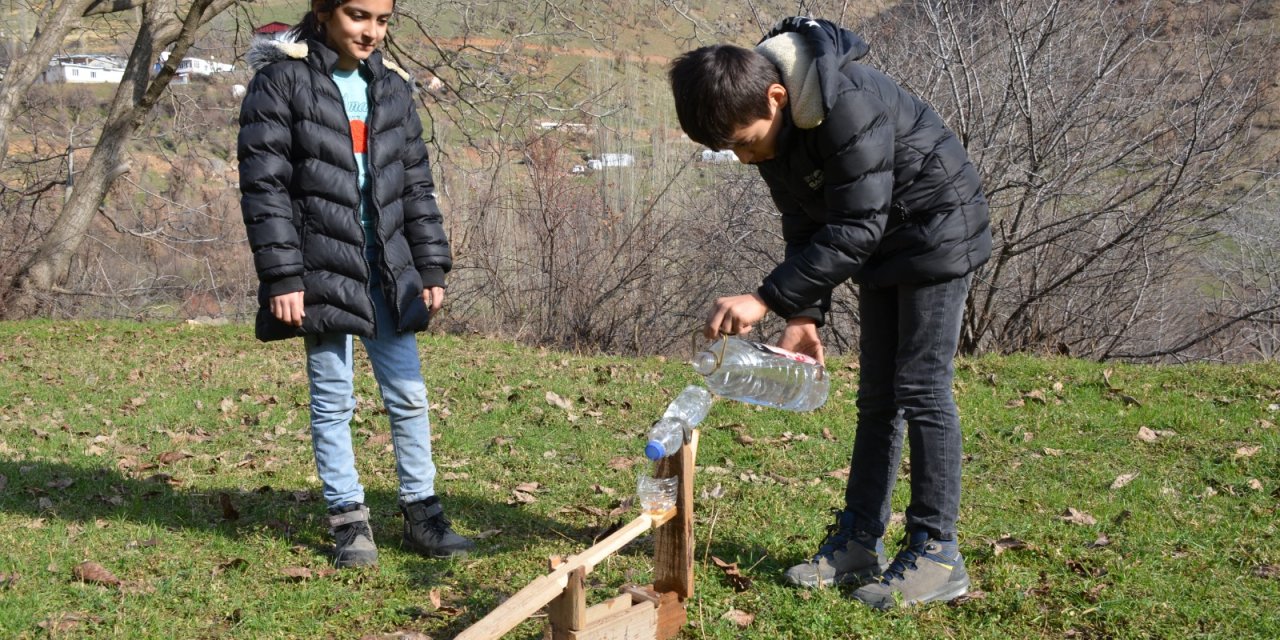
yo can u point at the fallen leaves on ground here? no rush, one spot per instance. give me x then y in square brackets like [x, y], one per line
[95, 573]
[739, 617]
[229, 511]
[555, 400]
[1008, 543]
[1074, 516]
[66, 621]
[1123, 479]
[296, 574]
[975, 594]
[731, 572]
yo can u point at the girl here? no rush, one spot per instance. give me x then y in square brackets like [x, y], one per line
[340, 209]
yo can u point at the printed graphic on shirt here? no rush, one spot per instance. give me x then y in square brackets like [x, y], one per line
[359, 137]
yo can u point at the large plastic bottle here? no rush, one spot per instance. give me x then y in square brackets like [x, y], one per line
[764, 375]
[677, 422]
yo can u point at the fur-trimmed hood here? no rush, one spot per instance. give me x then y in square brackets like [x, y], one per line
[266, 50]
[809, 54]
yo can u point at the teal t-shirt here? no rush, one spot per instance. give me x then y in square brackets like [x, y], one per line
[355, 97]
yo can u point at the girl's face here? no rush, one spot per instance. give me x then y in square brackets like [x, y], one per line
[355, 28]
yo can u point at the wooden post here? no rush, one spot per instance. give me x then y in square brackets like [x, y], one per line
[569, 609]
[673, 543]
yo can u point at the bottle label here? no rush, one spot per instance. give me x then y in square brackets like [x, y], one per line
[790, 355]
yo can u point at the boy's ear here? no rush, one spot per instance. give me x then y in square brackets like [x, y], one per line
[777, 95]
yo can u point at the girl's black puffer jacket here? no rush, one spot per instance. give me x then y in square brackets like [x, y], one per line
[301, 201]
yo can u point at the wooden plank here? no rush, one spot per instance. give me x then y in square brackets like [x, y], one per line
[639, 622]
[610, 607]
[543, 589]
[673, 543]
[671, 616]
[568, 610]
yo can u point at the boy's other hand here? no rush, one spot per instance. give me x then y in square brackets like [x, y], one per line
[434, 298]
[287, 308]
[801, 336]
[734, 315]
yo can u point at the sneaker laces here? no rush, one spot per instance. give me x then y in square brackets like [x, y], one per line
[437, 523]
[903, 562]
[347, 533]
[837, 537]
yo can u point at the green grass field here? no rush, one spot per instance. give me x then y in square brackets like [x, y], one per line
[177, 459]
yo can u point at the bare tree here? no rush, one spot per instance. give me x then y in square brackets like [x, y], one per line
[137, 93]
[1111, 135]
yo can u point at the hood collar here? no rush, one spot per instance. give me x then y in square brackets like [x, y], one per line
[809, 54]
[266, 50]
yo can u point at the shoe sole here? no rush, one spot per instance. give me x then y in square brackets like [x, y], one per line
[948, 593]
[852, 577]
[436, 553]
[350, 560]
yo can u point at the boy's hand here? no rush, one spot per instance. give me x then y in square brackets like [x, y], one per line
[734, 315]
[287, 308]
[434, 298]
[801, 336]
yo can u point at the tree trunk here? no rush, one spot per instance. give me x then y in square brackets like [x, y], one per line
[58, 20]
[50, 263]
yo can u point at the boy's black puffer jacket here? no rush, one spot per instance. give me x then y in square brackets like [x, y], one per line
[880, 190]
[300, 198]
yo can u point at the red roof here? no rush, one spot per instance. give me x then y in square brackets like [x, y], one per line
[272, 27]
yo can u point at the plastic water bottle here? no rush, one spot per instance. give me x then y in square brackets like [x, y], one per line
[677, 422]
[765, 375]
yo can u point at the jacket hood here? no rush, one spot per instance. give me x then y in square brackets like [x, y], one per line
[266, 50]
[809, 53]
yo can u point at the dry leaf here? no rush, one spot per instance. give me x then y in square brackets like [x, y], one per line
[296, 574]
[826, 434]
[1008, 543]
[974, 594]
[487, 533]
[1052, 452]
[1147, 435]
[8, 580]
[1035, 394]
[555, 400]
[1247, 451]
[1106, 377]
[621, 463]
[599, 488]
[738, 581]
[739, 617]
[1267, 571]
[1078, 517]
[67, 621]
[1102, 541]
[744, 439]
[1255, 484]
[520, 497]
[434, 596]
[1123, 479]
[95, 573]
[170, 457]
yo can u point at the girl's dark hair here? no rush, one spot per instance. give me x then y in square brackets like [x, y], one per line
[310, 27]
[720, 89]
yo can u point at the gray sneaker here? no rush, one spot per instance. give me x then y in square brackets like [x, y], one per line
[428, 532]
[353, 539]
[926, 570]
[846, 556]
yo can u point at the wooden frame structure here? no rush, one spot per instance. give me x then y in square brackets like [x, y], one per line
[639, 612]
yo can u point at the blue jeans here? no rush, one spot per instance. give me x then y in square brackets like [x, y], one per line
[908, 345]
[398, 371]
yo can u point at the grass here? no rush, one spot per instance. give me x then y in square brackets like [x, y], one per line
[177, 459]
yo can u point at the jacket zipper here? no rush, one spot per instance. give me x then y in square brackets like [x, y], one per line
[364, 240]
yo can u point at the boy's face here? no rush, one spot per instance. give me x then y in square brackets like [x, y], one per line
[758, 141]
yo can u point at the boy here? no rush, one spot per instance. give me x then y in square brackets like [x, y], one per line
[872, 186]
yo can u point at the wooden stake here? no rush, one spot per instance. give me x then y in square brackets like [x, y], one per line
[673, 544]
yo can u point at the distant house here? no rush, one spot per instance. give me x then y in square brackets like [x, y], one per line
[83, 68]
[272, 30]
[611, 160]
[189, 67]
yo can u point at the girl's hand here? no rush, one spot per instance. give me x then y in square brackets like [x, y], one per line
[434, 298]
[287, 308]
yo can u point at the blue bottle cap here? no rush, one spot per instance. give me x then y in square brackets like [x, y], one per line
[654, 450]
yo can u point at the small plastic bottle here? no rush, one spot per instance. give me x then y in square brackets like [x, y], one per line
[677, 422]
[764, 375]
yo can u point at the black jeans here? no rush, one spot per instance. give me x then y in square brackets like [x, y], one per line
[908, 346]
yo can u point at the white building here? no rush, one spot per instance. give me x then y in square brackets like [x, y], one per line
[84, 68]
[611, 160]
[194, 67]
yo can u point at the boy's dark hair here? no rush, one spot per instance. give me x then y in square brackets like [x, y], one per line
[720, 89]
